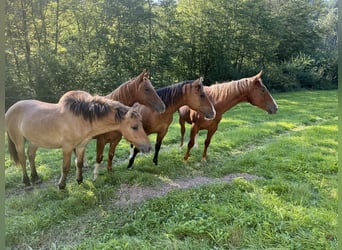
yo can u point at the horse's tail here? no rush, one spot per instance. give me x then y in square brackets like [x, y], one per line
[12, 150]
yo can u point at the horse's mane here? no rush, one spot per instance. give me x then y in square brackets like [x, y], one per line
[120, 93]
[117, 93]
[220, 91]
[168, 93]
[94, 108]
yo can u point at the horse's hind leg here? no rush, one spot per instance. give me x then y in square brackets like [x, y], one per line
[193, 133]
[100, 144]
[79, 166]
[182, 128]
[31, 152]
[111, 152]
[20, 148]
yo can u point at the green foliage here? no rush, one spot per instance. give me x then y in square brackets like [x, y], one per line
[55, 46]
[292, 206]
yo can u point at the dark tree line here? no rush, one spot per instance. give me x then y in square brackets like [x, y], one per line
[53, 46]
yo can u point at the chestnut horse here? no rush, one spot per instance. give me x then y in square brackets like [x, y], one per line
[69, 124]
[185, 93]
[174, 96]
[138, 89]
[224, 96]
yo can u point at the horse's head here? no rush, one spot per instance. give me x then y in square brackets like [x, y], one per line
[146, 94]
[259, 95]
[198, 100]
[133, 131]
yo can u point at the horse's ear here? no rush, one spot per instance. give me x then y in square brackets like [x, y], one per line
[258, 76]
[145, 74]
[201, 80]
[135, 106]
[142, 75]
[198, 81]
[121, 111]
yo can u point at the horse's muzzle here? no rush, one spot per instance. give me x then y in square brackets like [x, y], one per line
[161, 108]
[210, 116]
[145, 148]
[272, 110]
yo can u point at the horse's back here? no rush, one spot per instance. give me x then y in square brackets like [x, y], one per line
[74, 94]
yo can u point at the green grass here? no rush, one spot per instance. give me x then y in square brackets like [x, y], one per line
[294, 205]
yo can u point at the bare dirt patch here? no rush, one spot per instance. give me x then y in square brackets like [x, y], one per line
[133, 194]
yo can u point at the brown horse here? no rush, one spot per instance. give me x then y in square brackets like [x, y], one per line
[174, 96]
[189, 93]
[224, 96]
[69, 124]
[138, 89]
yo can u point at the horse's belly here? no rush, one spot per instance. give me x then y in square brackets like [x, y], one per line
[46, 142]
[43, 137]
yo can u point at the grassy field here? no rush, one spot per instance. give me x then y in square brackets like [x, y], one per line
[292, 205]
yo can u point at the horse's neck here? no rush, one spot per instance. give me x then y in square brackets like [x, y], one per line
[103, 126]
[175, 104]
[124, 94]
[230, 94]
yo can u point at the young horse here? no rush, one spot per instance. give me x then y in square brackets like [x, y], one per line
[69, 124]
[224, 96]
[138, 89]
[185, 93]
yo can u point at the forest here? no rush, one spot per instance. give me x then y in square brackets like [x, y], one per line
[53, 46]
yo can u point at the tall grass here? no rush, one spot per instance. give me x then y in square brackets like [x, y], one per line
[293, 205]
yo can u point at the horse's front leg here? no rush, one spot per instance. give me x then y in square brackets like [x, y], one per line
[31, 152]
[65, 168]
[160, 138]
[80, 156]
[210, 133]
[132, 157]
[193, 133]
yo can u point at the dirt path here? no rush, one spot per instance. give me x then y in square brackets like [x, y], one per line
[131, 194]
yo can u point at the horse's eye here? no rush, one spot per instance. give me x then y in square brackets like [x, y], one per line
[147, 89]
[135, 127]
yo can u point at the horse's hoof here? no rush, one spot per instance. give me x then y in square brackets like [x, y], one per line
[61, 187]
[80, 181]
[37, 180]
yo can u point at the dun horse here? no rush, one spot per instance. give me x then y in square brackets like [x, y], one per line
[69, 124]
[224, 96]
[174, 96]
[138, 89]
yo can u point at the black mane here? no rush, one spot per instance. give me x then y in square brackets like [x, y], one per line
[91, 109]
[169, 93]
